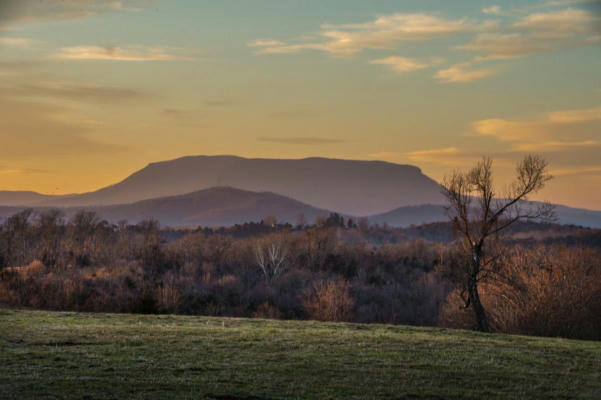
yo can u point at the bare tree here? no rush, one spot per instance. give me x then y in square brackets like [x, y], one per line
[479, 213]
[50, 225]
[83, 229]
[271, 258]
[17, 232]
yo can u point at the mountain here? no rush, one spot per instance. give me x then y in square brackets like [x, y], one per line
[349, 187]
[24, 198]
[220, 206]
[410, 215]
[415, 215]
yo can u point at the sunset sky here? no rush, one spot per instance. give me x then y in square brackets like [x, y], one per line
[91, 91]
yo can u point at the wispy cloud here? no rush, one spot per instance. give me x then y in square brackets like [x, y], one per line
[576, 171]
[308, 140]
[536, 33]
[543, 128]
[73, 91]
[463, 73]
[16, 41]
[265, 43]
[385, 32]
[443, 156]
[21, 171]
[569, 20]
[492, 10]
[385, 155]
[575, 116]
[401, 65]
[556, 146]
[31, 11]
[115, 53]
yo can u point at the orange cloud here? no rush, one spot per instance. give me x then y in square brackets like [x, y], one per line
[115, 53]
[463, 73]
[401, 65]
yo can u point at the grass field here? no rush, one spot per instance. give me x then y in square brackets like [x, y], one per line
[49, 355]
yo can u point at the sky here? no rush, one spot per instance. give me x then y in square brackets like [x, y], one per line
[91, 91]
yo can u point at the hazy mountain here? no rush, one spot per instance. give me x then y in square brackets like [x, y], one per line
[220, 206]
[410, 215]
[415, 215]
[349, 187]
[24, 198]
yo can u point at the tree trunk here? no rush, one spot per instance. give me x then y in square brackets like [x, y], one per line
[479, 312]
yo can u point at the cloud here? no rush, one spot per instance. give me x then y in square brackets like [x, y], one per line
[569, 20]
[575, 116]
[492, 10]
[506, 45]
[443, 156]
[301, 140]
[507, 130]
[401, 64]
[265, 43]
[556, 146]
[385, 155]
[115, 53]
[386, 32]
[16, 41]
[31, 11]
[586, 171]
[537, 33]
[73, 91]
[568, 139]
[21, 171]
[463, 73]
[544, 129]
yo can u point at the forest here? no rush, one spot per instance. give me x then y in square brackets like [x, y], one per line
[541, 279]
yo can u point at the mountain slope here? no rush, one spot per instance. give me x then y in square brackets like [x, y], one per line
[415, 215]
[221, 206]
[24, 198]
[349, 187]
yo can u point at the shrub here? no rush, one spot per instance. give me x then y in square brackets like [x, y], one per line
[329, 300]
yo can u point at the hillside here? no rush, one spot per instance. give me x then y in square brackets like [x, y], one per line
[221, 206]
[349, 187]
[428, 213]
[25, 198]
[75, 356]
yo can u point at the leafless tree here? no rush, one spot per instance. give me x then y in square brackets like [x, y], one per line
[271, 258]
[17, 231]
[50, 225]
[83, 229]
[479, 213]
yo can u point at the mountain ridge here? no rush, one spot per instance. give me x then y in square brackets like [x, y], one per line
[218, 206]
[355, 187]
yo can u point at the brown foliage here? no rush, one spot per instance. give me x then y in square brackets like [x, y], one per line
[544, 291]
[329, 300]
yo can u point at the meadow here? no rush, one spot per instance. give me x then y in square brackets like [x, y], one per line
[49, 355]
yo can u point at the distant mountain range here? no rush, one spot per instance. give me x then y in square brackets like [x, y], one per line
[220, 206]
[349, 187]
[427, 213]
[24, 198]
[225, 190]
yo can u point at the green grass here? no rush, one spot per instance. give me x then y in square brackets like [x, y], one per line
[49, 355]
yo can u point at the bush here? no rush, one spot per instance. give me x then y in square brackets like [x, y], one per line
[329, 300]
